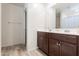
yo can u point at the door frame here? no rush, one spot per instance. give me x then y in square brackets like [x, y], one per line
[25, 27]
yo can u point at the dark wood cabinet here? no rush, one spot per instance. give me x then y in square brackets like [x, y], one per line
[43, 41]
[54, 48]
[78, 45]
[68, 49]
[54, 44]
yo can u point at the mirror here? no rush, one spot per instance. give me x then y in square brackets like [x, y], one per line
[67, 15]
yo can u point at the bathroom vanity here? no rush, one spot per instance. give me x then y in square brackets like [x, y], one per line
[58, 44]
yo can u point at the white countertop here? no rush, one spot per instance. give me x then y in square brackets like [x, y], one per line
[62, 31]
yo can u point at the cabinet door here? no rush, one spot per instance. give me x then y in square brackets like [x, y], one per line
[68, 49]
[45, 44]
[43, 41]
[54, 48]
[78, 44]
[40, 38]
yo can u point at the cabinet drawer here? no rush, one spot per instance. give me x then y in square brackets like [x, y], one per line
[63, 37]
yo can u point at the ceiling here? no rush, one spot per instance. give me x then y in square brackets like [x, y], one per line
[18, 4]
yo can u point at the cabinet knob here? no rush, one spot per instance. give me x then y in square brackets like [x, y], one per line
[57, 43]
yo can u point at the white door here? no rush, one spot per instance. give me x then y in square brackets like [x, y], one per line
[13, 25]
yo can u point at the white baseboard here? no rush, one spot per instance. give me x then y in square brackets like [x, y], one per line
[32, 49]
[10, 45]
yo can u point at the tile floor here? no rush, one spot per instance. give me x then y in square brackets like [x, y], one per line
[19, 50]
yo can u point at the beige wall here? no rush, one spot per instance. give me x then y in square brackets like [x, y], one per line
[13, 25]
[39, 17]
[0, 28]
[35, 20]
[50, 18]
